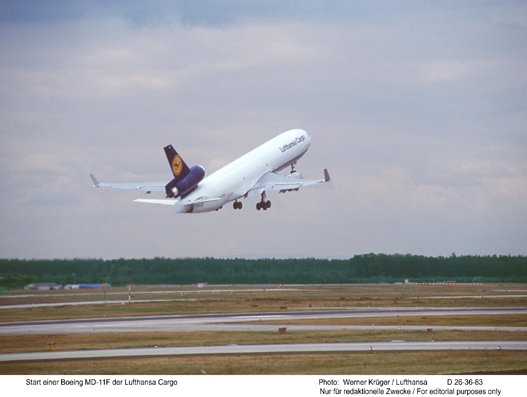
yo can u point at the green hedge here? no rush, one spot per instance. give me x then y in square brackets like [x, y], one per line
[369, 268]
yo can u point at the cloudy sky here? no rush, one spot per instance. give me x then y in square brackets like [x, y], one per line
[418, 110]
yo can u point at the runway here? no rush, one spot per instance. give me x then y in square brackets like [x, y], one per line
[264, 349]
[256, 322]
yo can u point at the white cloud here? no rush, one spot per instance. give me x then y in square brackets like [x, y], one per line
[419, 116]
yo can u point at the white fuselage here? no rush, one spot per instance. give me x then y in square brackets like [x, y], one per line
[235, 179]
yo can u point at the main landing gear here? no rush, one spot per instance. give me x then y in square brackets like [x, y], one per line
[237, 205]
[263, 205]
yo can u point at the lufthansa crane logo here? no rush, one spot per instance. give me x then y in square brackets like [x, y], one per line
[177, 165]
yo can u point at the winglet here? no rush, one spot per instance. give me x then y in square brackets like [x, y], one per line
[326, 175]
[95, 181]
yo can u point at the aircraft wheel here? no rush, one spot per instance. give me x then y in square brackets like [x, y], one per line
[268, 204]
[240, 205]
[235, 205]
[258, 206]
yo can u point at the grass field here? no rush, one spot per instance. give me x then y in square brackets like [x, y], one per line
[371, 363]
[171, 300]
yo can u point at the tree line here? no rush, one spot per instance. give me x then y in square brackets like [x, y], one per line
[368, 268]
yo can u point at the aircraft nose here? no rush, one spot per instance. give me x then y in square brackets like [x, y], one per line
[308, 139]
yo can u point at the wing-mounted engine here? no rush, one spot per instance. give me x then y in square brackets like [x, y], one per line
[293, 175]
[180, 187]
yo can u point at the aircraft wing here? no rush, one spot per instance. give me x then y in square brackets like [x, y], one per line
[145, 187]
[283, 183]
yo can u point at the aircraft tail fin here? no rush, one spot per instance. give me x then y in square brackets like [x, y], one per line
[179, 168]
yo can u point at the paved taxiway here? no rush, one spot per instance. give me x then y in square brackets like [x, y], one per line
[251, 322]
[264, 349]
[256, 322]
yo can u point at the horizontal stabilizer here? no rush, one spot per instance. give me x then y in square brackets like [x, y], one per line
[160, 201]
[199, 201]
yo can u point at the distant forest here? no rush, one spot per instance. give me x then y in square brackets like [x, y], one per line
[369, 268]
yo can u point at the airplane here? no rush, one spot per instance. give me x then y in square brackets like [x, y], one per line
[253, 173]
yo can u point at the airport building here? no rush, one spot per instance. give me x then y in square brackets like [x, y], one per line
[43, 286]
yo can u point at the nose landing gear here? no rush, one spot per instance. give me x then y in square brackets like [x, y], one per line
[237, 205]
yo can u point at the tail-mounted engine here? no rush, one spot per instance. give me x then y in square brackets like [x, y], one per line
[180, 187]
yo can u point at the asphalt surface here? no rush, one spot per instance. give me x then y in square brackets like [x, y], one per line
[264, 349]
[256, 322]
[250, 322]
